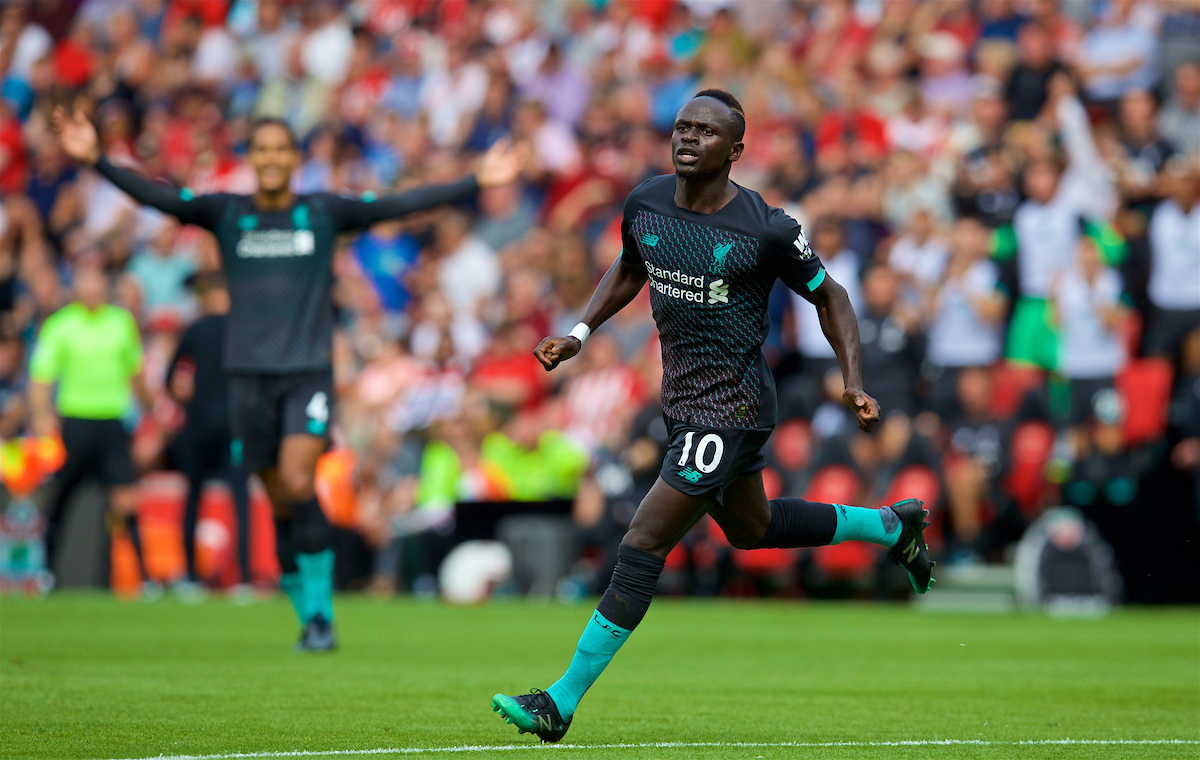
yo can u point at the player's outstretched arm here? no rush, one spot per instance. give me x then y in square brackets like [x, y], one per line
[841, 330]
[79, 141]
[499, 166]
[620, 285]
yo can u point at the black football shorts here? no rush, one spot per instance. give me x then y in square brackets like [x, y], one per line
[704, 461]
[264, 409]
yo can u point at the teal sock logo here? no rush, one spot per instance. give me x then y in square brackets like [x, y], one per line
[600, 621]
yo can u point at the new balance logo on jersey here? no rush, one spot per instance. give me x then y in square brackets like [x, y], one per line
[910, 551]
[650, 240]
[718, 292]
[690, 475]
[719, 254]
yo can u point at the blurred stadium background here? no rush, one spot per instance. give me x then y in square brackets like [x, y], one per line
[1032, 349]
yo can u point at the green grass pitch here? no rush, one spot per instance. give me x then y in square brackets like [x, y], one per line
[89, 677]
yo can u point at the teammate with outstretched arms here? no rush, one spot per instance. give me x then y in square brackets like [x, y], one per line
[711, 252]
[277, 250]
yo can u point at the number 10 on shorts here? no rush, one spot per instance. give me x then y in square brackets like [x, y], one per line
[709, 451]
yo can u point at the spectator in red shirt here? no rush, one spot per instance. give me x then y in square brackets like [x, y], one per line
[850, 134]
[13, 160]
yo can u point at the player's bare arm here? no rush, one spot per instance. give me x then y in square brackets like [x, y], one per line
[620, 285]
[78, 140]
[841, 330]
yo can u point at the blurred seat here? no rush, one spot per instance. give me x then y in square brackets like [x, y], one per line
[833, 484]
[791, 445]
[678, 558]
[1145, 385]
[1010, 384]
[919, 482]
[772, 483]
[839, 484]
[1032, 445]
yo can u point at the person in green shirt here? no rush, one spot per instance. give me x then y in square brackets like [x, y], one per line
[91, 352]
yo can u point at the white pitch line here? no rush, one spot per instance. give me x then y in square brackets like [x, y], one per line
[671, 745]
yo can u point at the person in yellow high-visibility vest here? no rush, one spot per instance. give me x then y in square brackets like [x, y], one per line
[91, 353]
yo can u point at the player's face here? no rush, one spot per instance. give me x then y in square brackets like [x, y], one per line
[703, 140]
[273, 157]
[91, 287]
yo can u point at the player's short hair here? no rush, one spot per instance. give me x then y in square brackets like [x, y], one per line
[273, 121]
[739, 115]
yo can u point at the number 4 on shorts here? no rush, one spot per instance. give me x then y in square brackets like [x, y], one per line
[318, 413]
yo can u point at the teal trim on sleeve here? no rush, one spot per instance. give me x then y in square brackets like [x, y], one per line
[187, 194]
[300, 219]
[816, 281]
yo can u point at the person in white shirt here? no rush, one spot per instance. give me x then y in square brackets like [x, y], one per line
[467, 271]
[1179, 120]
[843, 265]
[555, 149]
[964, 311]
[919, 256]
[216, 58]
[451, 97]
[22, 42]
[1117, 55]
[1174, 287]
[1048, 224]
[271, 41]
[1087, 301]
[326, 47]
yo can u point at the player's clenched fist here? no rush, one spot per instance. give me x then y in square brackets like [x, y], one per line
[866, 409]
[551, 351]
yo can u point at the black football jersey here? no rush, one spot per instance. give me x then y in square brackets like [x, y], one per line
[710, 276]
[279, 264]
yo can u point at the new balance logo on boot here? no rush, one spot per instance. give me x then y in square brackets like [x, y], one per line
[910, 550]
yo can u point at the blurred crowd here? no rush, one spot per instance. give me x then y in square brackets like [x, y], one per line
[1007, 189]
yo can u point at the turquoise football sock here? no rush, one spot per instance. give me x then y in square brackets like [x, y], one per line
[316, 577]
[290, 583]
[600, 641]
[879, 526]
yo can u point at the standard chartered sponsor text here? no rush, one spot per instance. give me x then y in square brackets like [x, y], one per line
[262, 244]
[663, 281]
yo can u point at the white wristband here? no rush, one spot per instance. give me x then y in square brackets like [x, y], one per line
[581, 332]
